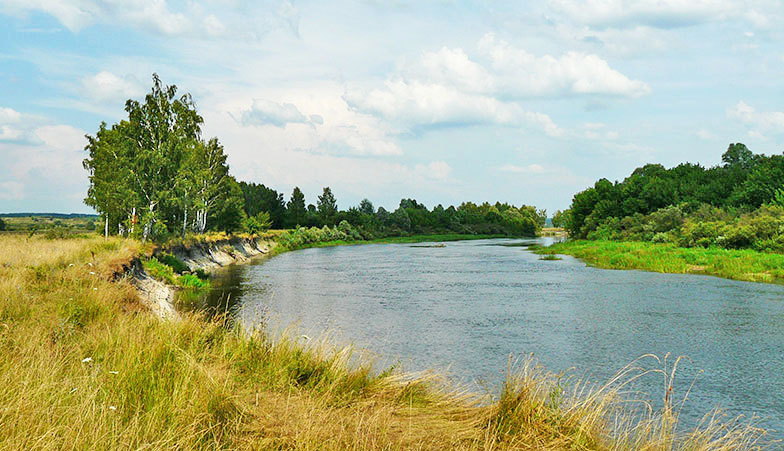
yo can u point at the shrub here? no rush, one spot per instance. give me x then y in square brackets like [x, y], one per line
[257, 224]
[661, 237]
[159, 271]
[175, 263]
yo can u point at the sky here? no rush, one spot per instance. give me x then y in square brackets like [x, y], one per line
[526, 102]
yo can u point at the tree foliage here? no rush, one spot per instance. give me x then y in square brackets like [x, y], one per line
[744, 180]
[152, 172]
[327, 207]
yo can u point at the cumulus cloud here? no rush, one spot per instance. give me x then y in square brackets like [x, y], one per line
[17, 127]
[521, 74]
[106, 87]
[267, 112]
[346, 132]
[34, 149]
[448, 88]
[758, 121]
[152, 14]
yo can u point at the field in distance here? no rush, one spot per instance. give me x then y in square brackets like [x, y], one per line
[28, 222]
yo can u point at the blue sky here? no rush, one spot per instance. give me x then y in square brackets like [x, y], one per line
[441, 101]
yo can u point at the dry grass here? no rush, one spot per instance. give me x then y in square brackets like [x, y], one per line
[84, 366]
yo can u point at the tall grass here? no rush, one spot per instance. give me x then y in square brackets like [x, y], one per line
[748, 265]
[84, 366]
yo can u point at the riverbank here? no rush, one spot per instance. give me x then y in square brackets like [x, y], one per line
[75, 340]
[746, 265]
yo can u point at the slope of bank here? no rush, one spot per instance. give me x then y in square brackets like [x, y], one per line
[84, 365]
[746, 265]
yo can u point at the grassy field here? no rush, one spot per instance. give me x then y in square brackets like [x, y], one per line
[45, 222]
[748, 265]
[83, 365]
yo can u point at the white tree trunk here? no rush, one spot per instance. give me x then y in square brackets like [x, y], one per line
[106, 228]
[184, 223]
[148, 226]
[133, 220]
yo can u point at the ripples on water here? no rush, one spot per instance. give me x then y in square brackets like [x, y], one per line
[469, 305]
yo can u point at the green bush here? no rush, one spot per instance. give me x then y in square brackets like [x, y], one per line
[159, 271]
[257, 224]
[175, 263]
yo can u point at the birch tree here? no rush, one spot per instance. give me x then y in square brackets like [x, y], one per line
[210, 174]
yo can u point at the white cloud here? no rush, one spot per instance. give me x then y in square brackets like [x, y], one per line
[759, 121]
[656, 13]
[17, 127]
[213, 25]
[61, 137]
[106, 87]
[286, 126]
[9, 116]
[11, 190]
[37, 150]
[705, 135]
[76, 15]
[522, 74]
[8, 133]
[267, 112]
[598, 131]
[451, 67]
[436, 170]
[449, 88]
[529, 169]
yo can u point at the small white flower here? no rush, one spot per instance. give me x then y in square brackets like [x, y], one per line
[95, 289]
[114, 372]
[91, 265]
[87, 360]
[306, 337]
[92, 273]
[73, 390]
[70, 264]
[112, 408]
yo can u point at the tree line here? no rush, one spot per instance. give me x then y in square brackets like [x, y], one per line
[153, 175]
[736, 204]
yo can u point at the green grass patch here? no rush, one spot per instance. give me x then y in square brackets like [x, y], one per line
[748, 265]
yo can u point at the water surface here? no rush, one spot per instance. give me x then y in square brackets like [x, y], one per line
[469, 305]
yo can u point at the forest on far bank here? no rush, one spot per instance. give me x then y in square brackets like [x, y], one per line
[153, 176]
[737, 204]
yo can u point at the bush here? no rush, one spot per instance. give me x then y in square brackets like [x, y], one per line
[661, 237]
[257, 224]
[175, 263]
[159, 271]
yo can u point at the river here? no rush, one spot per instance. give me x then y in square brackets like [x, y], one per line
[466, 307]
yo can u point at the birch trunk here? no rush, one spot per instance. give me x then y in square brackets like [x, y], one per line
[106, 228]
[148, 226]
[184, 223]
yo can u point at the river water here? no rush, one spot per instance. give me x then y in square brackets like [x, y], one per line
[466, 307]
